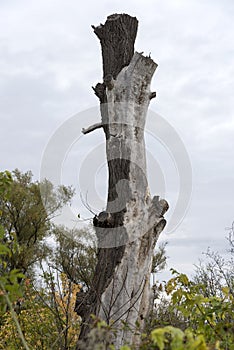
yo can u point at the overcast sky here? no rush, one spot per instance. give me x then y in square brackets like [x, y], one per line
[50, 58]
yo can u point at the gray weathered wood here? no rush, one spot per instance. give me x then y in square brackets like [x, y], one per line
[128, 229]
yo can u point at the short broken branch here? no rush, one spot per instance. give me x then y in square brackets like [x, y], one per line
[92, 128]
[99, 90]
[152, 95]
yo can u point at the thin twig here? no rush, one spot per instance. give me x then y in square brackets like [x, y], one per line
[85, 203]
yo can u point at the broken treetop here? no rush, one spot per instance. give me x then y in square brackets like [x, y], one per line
[117, 37]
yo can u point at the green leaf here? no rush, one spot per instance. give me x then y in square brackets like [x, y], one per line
[4, 250]
[158, 337]
[184, 279]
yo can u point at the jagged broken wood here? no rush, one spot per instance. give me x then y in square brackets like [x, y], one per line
[128, 229]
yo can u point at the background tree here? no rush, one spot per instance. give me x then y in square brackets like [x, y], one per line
[45, 314]
[39, 310]
[216, 270]
[23, 215]
[75, 254]
[8, 277]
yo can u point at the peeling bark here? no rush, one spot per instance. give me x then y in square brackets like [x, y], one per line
[129, 228]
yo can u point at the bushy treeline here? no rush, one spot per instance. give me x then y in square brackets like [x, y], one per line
[44, 267]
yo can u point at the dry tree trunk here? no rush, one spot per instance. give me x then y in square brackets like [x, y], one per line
[129, 228]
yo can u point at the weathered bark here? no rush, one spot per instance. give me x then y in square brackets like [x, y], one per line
[129, 228]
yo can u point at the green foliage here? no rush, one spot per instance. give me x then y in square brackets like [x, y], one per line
[26, 209]
[172, 338]
[8, 278]
[10, 289]
[37, 318]
[5, 183]
[209, 316]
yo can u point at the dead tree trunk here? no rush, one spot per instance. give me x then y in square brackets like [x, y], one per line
[129, 228]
